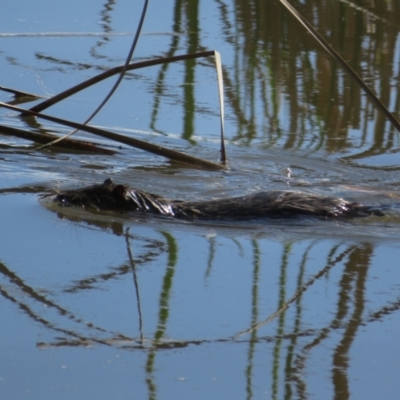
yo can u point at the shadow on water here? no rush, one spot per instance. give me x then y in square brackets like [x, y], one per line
[283, 309]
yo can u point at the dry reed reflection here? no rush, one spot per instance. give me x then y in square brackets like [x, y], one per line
[320, 96]
[292, 296]
[293, 343]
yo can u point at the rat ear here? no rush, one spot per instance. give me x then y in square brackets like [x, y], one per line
[119, 190]
[108, 181]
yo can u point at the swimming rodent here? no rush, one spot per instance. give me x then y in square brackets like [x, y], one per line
[110, 196]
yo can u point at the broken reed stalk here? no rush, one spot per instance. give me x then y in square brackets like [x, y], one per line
[341, 61]
[44, 138]
[116, 84]
[143, 64]
[218, 66]
[19, 93]
[151, 148]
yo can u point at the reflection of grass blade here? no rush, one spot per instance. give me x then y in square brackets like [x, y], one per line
[113, 71]
[151, 148]
[211, 256]
[348, 319]
[31, 294]
[340, 60]
[79, 340]
[367, 13]
[167, 286]
[254, 317]
[351, 296]
[284, 306]
[384, 312]
[278, 346]
[289, 375]
[163, 312]
[135, 281]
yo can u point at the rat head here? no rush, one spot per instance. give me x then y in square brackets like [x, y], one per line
[106, 196]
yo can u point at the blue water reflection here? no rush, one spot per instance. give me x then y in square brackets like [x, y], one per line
[265, 309]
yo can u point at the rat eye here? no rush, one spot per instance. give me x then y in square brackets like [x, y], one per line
[62, 200]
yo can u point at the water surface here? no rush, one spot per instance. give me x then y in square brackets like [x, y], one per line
[109, 306]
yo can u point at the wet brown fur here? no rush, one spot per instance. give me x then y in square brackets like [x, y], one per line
[109, 196]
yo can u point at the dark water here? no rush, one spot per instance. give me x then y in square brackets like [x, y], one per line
[111, 307]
